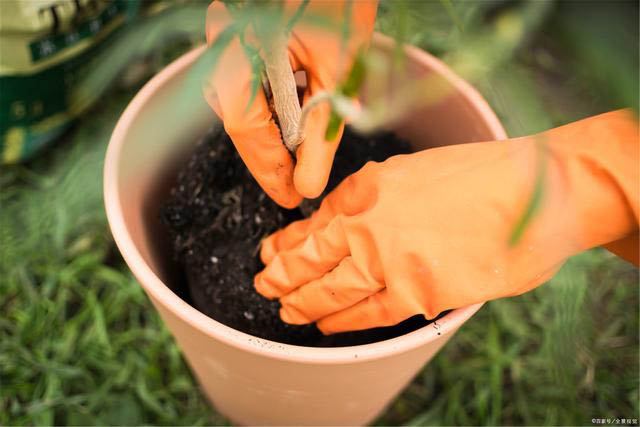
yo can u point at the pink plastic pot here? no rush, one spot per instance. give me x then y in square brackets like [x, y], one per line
[251, 380]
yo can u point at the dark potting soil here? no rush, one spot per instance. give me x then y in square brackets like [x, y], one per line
[216, 216]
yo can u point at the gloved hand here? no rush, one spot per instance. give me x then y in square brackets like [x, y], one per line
[429, 231]
[321, 54]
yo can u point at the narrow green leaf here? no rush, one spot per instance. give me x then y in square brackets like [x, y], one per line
[536, 198]
[256, 79]
[205, 65]
[220, 44]
[257, 65]
[296, 16]
[321, 22]
[401, 24]
[333, 126]
[99, 323]
[355, 78]
[346, 23]
[451, 11]
[149, 398]
[349, 88]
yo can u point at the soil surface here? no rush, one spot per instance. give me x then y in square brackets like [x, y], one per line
[216, 215]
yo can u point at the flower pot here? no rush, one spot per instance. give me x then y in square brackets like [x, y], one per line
[251, 380]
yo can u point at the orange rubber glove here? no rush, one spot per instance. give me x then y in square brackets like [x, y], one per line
[319, 52]
[429, 231]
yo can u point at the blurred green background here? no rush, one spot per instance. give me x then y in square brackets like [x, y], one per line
[80, 343]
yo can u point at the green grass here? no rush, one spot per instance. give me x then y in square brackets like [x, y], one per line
[81, 344]
[560, 355]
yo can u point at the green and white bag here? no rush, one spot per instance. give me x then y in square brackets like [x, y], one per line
[57, 57]
[45, 48]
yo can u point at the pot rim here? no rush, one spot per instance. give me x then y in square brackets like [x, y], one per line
[163, 295]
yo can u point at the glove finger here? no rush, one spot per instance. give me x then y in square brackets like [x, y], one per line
[315, 155]
[375, 311]
[295, 233]
[353, 196]
[340, 288]
[218, 18]
[313, 258]
[326, 64]
[288, 237]
[257, 137]
[250, 125]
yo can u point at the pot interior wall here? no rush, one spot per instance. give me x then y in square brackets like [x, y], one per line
[452, 111]
[167, 129]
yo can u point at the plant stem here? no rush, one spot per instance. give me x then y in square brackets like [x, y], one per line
[283, 90]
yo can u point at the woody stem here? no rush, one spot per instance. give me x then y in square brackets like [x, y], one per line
[283, 90]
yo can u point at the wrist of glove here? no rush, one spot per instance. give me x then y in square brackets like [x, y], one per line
[430, 231]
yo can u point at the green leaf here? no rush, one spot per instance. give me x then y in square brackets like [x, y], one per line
[349, 88]
[536, 198]
[212, 56]
[296, 16]
[400, 28]
[204, 66]
[333, 126]
[257, 65]
[451, 11]
[124, 411]
[256, 79]
[346, 22]
[149, 398]
[355, 78]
